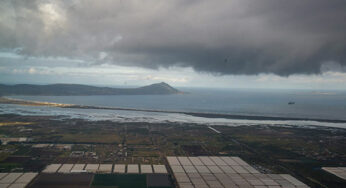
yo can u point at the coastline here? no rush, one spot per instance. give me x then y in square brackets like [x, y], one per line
[8, 100]
[261, 144]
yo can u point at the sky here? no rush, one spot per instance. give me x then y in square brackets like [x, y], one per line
[196, 43]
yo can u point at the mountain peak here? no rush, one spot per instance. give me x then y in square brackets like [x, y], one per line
[161, 88]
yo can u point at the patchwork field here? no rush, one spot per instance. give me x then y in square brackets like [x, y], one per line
[299, 151]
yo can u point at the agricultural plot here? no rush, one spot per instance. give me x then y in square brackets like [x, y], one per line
[132, 181]
[120, 180]
[338, 171]
[58, 180]
[223, 172]
[16, 180]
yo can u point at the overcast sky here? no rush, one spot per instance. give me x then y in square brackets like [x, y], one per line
[200, 43]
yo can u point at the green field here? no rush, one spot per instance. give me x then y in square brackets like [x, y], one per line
[120, 180]
[130, 181]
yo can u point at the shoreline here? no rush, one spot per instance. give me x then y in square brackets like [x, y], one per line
[300, 149]
[7, 100]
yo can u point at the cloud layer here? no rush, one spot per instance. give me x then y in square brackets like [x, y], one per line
[223, 37]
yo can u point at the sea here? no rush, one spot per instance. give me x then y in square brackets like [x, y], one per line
[308, 104]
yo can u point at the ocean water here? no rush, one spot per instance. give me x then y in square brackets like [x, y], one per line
[308, 104]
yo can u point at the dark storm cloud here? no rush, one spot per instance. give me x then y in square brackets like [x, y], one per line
[223, 37]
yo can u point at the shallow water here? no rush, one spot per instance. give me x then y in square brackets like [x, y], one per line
[150, 117]
[308, 104]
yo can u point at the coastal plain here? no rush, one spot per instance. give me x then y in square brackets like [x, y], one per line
[29, 143]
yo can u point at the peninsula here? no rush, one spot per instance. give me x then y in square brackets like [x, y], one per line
[79, 90]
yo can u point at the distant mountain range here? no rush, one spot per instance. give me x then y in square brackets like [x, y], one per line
[77, 89]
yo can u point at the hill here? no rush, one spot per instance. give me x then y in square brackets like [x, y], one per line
[77, 89]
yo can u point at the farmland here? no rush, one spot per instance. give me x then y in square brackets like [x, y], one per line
[300, 151]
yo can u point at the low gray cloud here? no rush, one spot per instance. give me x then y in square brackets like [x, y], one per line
[222, 37]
